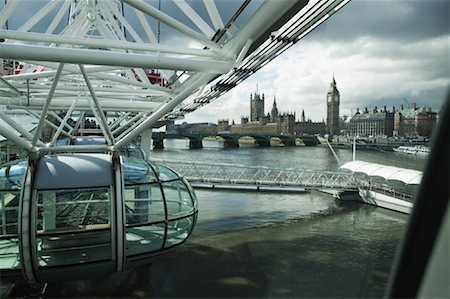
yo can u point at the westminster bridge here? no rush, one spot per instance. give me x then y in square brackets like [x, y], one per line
[232, 140]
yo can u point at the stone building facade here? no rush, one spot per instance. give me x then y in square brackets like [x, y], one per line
[256, 107]
[374, 123]
[413, 121]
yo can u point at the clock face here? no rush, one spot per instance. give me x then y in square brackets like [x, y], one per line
[329, 98]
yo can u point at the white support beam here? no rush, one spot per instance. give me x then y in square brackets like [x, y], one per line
[56, 116]
[10, 86]
[152, 38]
[104, 123]
[6, 12]
[133, 126]
[164, 109]
[84, 56]
[59, 104]
[243, 52]
[268, 13]
[128, 123]
[131, 91]
[214, 14]
[144, 23]
[18, 127]
[80, 148]
[49, 123]
[117, 122]
[117, 14]
[11, 136]
[95, 71]
[168, 20]
[57, 19]
[146, 142]
[36, 18]
[64, 120]
[195, 18]
[47, 104]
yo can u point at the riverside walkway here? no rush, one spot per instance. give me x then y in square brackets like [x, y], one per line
[231, 176]
[247, 178]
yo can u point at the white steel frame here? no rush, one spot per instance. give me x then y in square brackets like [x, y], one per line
[93, 54]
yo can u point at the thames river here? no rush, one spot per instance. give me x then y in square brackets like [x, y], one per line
[248, 244]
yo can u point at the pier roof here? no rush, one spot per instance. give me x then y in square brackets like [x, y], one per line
[407, 176]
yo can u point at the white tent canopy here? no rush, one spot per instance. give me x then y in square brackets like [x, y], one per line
[407, 176]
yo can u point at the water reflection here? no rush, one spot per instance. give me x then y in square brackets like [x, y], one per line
[317, 158]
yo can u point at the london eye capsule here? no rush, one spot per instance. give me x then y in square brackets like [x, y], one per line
[79, 215]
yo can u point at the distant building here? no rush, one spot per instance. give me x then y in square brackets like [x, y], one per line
[413, 121]
[272, 123]
[374, 123]
[223, 125]
[274, 112]
[309, 127]
[333, 100]
[256, 107]
[193, 128]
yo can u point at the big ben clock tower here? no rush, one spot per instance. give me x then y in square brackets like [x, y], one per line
[333, 109]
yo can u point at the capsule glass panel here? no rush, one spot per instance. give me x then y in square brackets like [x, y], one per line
[178, 198]
[159, 206]
[73, 226]
[145, 217]
[11, 177]
[179, 230]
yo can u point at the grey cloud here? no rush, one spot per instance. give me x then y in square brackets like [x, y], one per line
[402, 21]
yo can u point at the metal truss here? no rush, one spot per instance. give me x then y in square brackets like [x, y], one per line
[290, 179]
[263, 176]
[131, 64]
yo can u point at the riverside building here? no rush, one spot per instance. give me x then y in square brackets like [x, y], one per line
[374, 123]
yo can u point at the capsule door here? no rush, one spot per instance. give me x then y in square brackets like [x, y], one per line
[73, 233]
[74, 223]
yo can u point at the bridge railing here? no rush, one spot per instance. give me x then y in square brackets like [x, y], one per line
[238, 174]
[392, 192]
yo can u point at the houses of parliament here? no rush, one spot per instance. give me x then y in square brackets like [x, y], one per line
[406, 121]
[276, 123]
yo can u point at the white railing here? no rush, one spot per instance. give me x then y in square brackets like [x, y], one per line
[239, 174]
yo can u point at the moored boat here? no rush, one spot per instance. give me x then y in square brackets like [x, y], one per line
[413, 150]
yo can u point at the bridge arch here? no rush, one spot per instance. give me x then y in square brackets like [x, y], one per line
[195, 140]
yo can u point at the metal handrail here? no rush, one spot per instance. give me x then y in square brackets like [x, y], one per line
[239, 174]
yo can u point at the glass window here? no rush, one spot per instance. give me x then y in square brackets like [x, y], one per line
[73, 226]
[9, 210]
[191, 190]
[137, 171]
[11, 175]
[144, 239]
[178, 199]
[9, 213]
[166, 174]
[179, 230]
[144, 204]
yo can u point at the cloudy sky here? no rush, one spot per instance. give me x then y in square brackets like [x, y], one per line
[380, 52]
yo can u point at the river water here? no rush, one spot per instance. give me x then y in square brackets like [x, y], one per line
[290, 245]
[282, 245]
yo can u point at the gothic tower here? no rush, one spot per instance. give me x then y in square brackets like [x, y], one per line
[333, 99]
[274, 112]
[256, 107]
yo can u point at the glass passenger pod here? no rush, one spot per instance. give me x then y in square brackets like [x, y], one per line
[87, 217]
[11, 177]
[160, 209]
